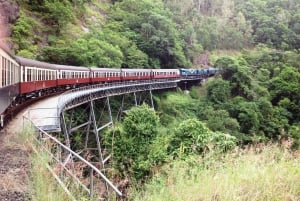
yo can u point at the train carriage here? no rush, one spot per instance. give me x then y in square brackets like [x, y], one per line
[9, 81]
[105, 75]
[72, 76]
[37, 77]
[165, 73]
[136, 74]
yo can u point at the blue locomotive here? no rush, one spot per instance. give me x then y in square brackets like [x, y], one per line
[197, 73]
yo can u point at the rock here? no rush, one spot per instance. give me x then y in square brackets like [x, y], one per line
[9, 13]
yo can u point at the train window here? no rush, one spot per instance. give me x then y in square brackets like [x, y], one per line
[28, 73]
[3, 72]
[8, 72]
[13, 73]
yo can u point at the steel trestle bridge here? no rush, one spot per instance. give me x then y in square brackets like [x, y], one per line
[58, 118]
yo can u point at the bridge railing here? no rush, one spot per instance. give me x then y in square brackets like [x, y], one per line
[63, 161]
[111, 89]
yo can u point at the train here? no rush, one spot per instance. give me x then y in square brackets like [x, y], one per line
[22, 79]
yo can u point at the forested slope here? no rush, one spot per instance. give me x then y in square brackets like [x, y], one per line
[151, 33]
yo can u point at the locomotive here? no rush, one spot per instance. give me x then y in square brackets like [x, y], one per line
[22, 79]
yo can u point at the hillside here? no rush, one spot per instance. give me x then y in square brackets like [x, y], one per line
[151, 33]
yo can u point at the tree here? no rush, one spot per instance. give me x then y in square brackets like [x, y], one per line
[150, 26]
[134, 141]
[218, 91]
[191, 136]
[286, 88]
[58, 13]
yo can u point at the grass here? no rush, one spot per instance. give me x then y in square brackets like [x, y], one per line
[43, 185]
[272, 174]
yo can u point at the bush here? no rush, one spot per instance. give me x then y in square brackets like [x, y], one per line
[191, 136]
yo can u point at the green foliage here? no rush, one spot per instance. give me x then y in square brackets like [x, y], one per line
[136, 143]
[58, 13]
[220, 120]
[176, 106]
[267, 174]
[218, 91]
[141, 122]
[223, 142]
[85, 52]
[24, 35]
[148, 23]
[194, 92]
[191, 136]
[286, 87]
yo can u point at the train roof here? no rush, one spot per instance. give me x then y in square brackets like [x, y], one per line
[39, 64]
[32, 63]
[165, 70]
[76, 68]
[135, 70]
[105, 69]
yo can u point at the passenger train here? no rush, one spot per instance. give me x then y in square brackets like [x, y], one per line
[22, 79]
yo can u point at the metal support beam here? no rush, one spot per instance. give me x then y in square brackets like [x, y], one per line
[151, 98]
[88, 130]
[135, 100]
[94, 122]
[65, 130]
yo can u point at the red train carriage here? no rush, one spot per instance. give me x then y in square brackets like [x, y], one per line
[165, 73]
[72, 76]
[9, 82]
[105, 75]
[136, 74]
[37, 77]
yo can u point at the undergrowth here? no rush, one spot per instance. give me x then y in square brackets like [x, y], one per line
[266, 173]
[42, 183]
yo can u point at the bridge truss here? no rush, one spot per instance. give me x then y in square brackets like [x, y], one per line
[85, 163]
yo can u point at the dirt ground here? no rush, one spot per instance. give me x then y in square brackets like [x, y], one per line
[14, 163]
